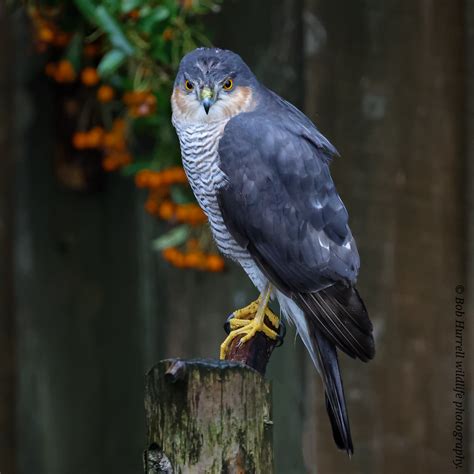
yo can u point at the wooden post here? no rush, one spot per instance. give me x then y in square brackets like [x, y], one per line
[207, 416]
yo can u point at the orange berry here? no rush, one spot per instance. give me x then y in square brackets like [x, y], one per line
[196, 215]
[141, 110]
[79, 140]
[187, 4]
[46, 34]
[166, 176]
[142, 179]
[140, 103]
[91, 50]
[151, 206]
[166, 210]
[156, 179]
[169, 253]
[114, 141]
[64, 72]
[109, 163]
[109, 140]
[179, 176]
[89, 76]
[134, 14]
[105, 94]
[215, 263]
[95, 137]
[168, 34]
[174, 175]
[133, 97]
[193, 259]
[125, 159]
[118, 160]
[182, 212]
[179, 260]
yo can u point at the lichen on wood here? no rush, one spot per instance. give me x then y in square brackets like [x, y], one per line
[208, 416]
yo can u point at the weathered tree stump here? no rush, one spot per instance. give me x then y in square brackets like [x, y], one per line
[207, 416]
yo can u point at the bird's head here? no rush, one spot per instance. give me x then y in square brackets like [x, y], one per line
[212, 85]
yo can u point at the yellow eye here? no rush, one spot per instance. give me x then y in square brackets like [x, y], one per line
[189, 85]
[228, 85]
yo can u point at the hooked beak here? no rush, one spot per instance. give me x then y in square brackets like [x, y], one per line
[207, 98]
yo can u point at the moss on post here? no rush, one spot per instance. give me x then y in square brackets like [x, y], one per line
[206, 416]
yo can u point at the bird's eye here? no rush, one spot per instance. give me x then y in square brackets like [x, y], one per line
[227, 86]
[189, 85]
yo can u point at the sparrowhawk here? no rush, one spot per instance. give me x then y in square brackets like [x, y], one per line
[259, 169]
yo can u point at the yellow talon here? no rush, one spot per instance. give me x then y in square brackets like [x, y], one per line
[250, 320]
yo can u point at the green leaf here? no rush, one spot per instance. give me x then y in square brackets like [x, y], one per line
[112, 28]
[172, 238]
[100, 16]
[129, 5]
[74, 51]
[111, 62]
[135, 167]
[87, 8]
[160, 13]
[153, 17]
[173, 6]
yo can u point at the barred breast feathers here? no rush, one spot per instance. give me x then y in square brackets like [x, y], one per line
[199, 135]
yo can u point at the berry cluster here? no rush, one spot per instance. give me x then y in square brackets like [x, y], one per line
[113, 64]
[193, 257]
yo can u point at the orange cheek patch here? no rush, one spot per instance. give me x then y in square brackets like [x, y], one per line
[242, 100]
[178, 101]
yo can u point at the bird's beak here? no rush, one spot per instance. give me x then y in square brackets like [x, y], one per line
[207, 98]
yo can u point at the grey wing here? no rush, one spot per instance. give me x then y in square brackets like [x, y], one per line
[280, 199]
[280, 202]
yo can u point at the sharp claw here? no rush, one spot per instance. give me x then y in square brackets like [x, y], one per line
[281, 333]
[227, 327]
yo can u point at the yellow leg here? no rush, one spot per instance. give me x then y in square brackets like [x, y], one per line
[251, 319]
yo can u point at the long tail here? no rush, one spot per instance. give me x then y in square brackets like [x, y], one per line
[326, 356]
[334, 318]
[331, 319]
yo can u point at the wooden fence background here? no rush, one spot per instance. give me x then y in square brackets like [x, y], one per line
[86, 307]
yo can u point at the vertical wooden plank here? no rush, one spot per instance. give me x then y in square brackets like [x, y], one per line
[7, 325]
[386, 85]
[80, 385]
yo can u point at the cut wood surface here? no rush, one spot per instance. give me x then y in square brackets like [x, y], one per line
[207, 416]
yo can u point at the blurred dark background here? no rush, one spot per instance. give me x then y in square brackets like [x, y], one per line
[86, 307]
